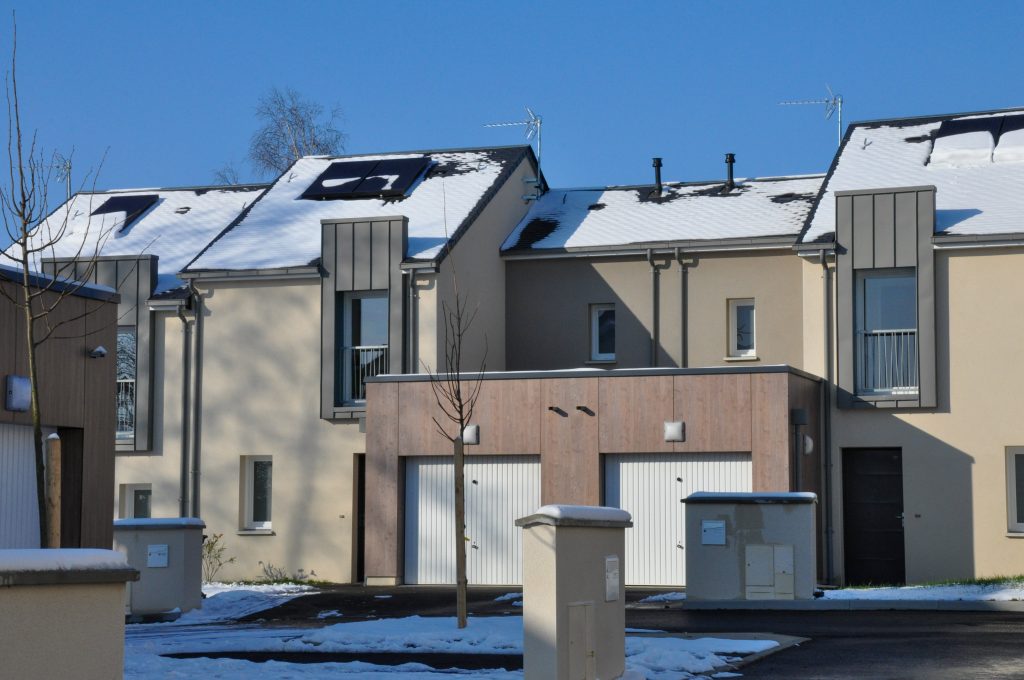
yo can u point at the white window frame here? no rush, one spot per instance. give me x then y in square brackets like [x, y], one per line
[595, 332]
[248, 483]
[128, 499]
[734, 305]
[1012, 525]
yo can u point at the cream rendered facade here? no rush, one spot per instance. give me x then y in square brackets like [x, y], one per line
[954, 456]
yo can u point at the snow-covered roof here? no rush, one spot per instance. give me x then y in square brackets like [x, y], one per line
[621, 216]
[977, 174]
[175, 227]
[283, 230]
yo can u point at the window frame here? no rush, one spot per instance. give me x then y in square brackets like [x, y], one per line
[595, 332]
[1012, 525]
[343, 342]
[127, 505]
[861, 277]
[249, 492]
[119, 434]
[734, 351]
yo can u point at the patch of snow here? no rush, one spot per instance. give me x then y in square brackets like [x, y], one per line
[382, 597]
[1002, 592]
[965, 149]
[330, 614]
[977, 200]
[231, 601]
[507, 597]
[584, 512]
[613, 216]
[60, 559]
[1010, 148]
[664, 597]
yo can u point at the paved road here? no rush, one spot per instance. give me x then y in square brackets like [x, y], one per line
[875, 644]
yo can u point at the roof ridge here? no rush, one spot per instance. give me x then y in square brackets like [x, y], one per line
[935, 117]
[464, 149]
[249, 186]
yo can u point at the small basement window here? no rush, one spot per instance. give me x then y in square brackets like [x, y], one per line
[257, 482]
[136, 501]
[1015, 488]
[741, 328]
[602, 332]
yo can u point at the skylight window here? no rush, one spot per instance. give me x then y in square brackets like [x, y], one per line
[131, 206]
[351, 179]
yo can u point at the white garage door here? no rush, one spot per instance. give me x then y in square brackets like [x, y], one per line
[19, 514]
[499, 490]
[651, 487]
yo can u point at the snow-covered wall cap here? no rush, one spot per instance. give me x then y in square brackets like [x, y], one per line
[572, 219]
[578, 515]
[158, 523]
[64, 566]
[741, 497]
[976, 196]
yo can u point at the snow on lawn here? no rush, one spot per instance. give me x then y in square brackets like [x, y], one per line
[231, 601]
[1008, 591]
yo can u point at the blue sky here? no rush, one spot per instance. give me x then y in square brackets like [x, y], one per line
[167, 90]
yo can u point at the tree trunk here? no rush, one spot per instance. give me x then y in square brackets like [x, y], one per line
[460, 532]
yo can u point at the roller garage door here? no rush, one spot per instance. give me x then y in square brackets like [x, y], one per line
[19, 513]
[650, 487]
[499, 490]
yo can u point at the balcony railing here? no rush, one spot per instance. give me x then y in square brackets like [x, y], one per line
[362, 362]
[125, 409]
[887, 362]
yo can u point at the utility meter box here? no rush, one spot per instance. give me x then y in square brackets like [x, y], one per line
[574, 597]
[751, 546]
[168, 554]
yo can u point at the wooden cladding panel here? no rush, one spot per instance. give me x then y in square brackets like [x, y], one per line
[61, 361]
[383, 531]
[100, 423]
[633, 413]
[570, 464]
[417, 433]
[11, 341]
[770, 431]
[716, 410]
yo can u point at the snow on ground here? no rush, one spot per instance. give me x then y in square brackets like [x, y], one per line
[656, 658]
[1002, 592]
[508, 596]
[664, 597]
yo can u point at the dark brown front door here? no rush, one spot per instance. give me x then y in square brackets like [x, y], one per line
[873, 516]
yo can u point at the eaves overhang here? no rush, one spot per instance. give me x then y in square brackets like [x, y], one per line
[658, 248]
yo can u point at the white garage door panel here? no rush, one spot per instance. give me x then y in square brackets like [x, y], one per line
[650, 487]
[19, 514]
[499, 490]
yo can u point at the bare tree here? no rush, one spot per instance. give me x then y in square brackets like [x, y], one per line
[292, 127]
[24, 209]
[456, 397]
[227, 174]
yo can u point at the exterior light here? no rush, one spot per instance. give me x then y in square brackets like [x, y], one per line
[675, 431]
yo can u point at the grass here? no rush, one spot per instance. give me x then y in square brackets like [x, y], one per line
[1008, 581]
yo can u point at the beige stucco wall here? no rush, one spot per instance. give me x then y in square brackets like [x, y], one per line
[548, 304]
[261, 396]
[954, 475]
[160, 467]
[65, 631]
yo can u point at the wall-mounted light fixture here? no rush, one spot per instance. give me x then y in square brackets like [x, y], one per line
[19, 393]
[675, 431]
[98, 352]
[471, 435]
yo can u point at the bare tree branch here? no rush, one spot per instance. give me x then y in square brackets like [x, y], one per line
[292, 127]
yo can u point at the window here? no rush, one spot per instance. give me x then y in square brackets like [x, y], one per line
[362, 327]
[136, 501]
[602, 332]
[1015, 488]
[886, 332]
[126, 371]
[741, 328]
[257, 482]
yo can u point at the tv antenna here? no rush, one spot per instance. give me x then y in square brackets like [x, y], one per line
[533, 128]
[62, 164]
[833, 104]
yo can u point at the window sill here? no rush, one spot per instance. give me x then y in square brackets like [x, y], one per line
[600, 362]
[747, 358]
[1015, 534]
[255, 532]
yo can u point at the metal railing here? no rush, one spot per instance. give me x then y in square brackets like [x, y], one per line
[887, 361]
[362, 362]
[125, 408]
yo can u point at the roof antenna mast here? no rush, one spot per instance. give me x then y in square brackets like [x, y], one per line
[532, 124]
[833, 104]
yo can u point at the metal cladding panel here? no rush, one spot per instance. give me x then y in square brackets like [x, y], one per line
[863, 232]
[19, 514]
[651, 487]
[906, 229]
[362, 255]
[885, 238]
[499, 490]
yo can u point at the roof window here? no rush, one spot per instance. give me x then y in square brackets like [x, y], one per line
[352, 179]
[131, 206]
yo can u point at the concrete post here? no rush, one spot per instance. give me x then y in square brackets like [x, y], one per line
[53, 491]
[574, 614]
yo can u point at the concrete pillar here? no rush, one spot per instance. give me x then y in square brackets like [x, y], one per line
[574, 615]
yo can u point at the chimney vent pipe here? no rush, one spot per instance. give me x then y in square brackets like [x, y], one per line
[656, 162]
[730, 160]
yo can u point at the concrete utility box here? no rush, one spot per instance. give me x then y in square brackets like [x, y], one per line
[750, 546]
[574, 614]
[168, 553]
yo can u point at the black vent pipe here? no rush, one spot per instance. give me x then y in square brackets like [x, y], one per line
[656, 162]
[730, 160]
